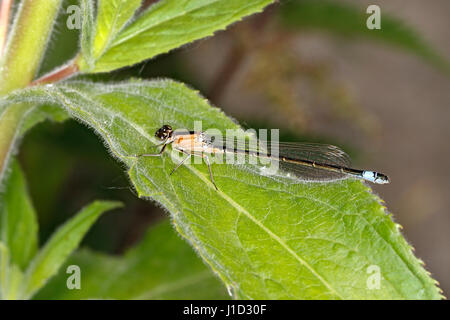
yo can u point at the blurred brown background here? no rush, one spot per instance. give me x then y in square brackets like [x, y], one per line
[386, 106]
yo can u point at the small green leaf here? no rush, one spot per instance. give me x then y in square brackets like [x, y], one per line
[166, 25]
[161, 266]
[266, 237]
[18, 223]
[15, 277]
[347, 20]
[4, 270]
[87, 31]
[112, 17]
[10, 275]
[55, 252]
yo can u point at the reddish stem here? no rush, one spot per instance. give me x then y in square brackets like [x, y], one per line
[57, 75]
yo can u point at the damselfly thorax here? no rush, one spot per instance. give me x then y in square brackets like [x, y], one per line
[307, 161]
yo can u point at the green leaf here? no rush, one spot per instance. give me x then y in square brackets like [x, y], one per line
[112, 17]
[10, 275]
[18, 222]
[266, 237]
[40, 114]
[162, 266]
[15, 276]
[166, 25]
[4, 270]
[55, 252]
[347, 20]
[87, 31]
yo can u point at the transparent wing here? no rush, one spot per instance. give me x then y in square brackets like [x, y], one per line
[307, 173]
[319, 153]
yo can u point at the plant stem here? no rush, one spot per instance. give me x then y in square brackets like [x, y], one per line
[27, 42]
[58, 74]
[18, 65]
[5, 8]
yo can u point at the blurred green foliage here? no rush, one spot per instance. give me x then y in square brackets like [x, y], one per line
[161, 266]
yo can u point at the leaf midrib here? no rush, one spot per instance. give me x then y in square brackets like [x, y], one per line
[271, 234]
[389, 245]
[141, 30]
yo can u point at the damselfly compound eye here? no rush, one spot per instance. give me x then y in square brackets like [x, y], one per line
[164, 132]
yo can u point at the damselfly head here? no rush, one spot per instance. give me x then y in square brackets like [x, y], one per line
[164, 132]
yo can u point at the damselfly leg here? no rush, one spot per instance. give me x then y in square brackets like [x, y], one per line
[208, 163]
[178, 165]
[164, 145]
[210, 171]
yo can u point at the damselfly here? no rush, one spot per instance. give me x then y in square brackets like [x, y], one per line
[307, 161]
